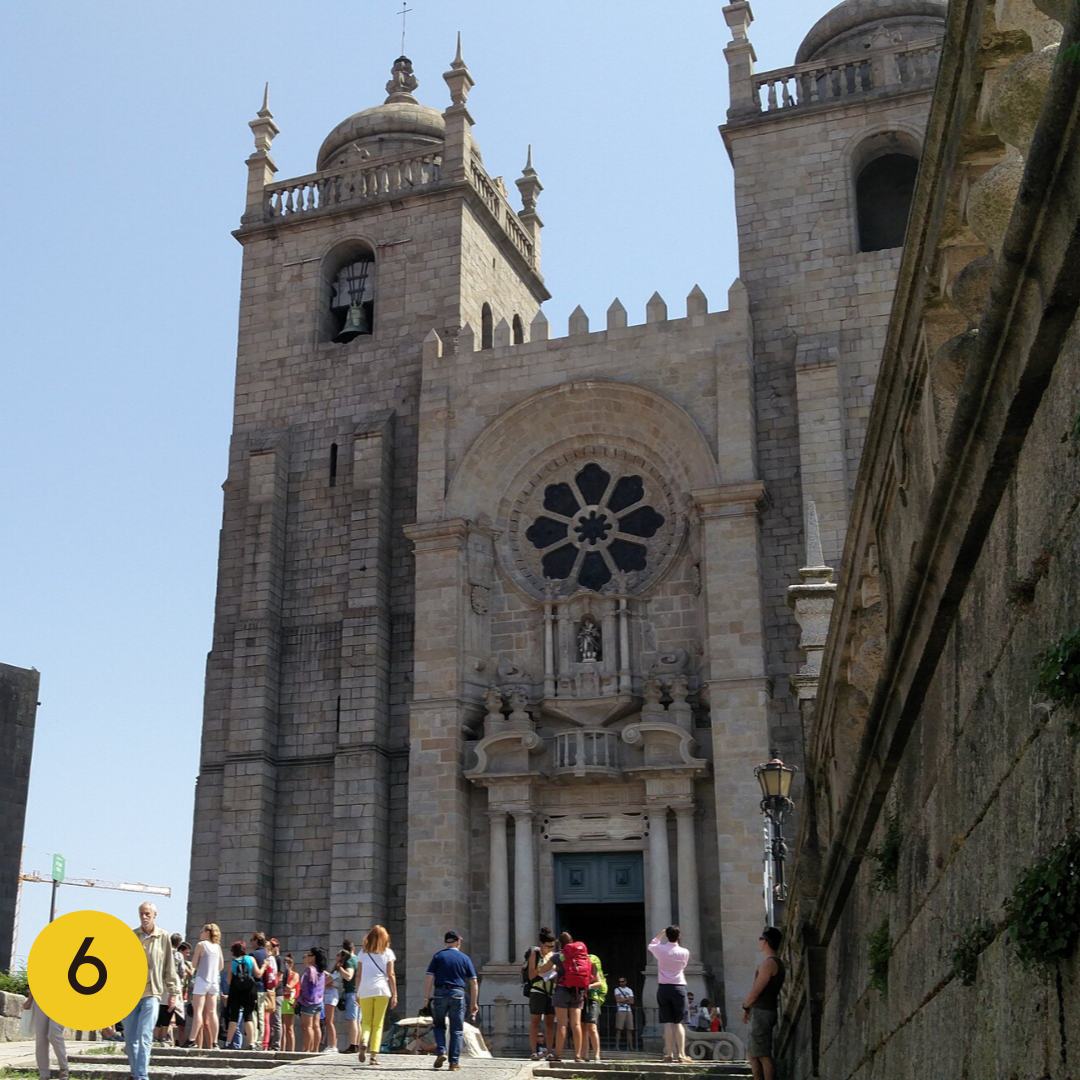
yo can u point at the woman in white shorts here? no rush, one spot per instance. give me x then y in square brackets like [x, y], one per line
[208, 964]
[331, 996]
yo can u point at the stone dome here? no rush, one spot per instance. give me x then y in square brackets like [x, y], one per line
[848, 27]
[397, 122]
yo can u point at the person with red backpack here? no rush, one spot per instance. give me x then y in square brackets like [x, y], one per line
[574, 975]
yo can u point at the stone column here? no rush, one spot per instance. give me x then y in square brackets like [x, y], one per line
[659, 873]
[524, 883]
[689, 912]
[499, 889]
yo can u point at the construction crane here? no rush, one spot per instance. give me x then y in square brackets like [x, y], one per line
[82, 883]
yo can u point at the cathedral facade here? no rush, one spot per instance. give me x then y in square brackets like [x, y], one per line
[501, 627]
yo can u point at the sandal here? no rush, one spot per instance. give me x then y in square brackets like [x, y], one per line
[362, 1053]
[373, 1060]
[686, 1060]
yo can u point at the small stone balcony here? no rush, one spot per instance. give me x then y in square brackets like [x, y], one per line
[586, 751]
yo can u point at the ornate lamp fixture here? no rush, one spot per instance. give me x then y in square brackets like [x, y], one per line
[775, 780]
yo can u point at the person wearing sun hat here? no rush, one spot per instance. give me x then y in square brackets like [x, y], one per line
[448, 974]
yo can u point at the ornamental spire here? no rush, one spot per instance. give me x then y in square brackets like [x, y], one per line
[458, 78]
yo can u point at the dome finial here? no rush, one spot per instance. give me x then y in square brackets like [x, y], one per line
[402, 83]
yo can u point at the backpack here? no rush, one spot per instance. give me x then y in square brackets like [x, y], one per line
[598, 993]
[243, 981]
[526, 983]
[270, 975]
[577, 967]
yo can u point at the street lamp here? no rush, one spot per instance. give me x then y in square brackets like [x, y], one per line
[775, 780]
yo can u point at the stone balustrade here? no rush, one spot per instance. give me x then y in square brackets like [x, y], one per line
[323, 190]
[827, 82]
[587, 750]
[496, 202]
[319, 191]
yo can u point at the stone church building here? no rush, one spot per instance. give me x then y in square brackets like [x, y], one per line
[502, 626]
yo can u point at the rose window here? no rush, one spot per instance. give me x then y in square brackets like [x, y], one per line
[591, 528]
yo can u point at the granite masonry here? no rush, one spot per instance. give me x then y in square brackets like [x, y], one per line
[502, 624]
[18, 712]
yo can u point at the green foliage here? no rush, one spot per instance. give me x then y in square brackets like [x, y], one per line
[887, 856]
[14, 982]
[1059, 670]
[1044, 908]
[977, 937]
[878, 951]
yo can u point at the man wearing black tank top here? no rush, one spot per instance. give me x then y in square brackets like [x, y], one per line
[761, 1004]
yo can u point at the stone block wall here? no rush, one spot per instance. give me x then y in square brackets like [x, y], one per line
[18, 712]
[820, 308]
[961, 569]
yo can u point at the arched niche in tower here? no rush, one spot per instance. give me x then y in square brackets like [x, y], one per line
[487, 327]
[347, 300]
[884, 167]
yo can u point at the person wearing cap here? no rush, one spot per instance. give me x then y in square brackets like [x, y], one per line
[448, 974]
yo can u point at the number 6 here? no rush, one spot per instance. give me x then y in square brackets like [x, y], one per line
[80, 959]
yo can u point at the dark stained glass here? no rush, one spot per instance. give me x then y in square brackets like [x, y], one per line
[644, 522]
[594, 572]
[628, 490]
[543, 532]
[558, 563]
[559, 499]
[592, 482]
[628, 556]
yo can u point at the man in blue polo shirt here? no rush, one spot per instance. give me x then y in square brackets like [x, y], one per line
[448, 974]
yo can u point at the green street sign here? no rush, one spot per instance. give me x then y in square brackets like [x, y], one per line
[58, 868]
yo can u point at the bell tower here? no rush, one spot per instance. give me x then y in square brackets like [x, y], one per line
[303, 777]
[825, 153]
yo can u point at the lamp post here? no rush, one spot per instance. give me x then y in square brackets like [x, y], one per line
[775, 780]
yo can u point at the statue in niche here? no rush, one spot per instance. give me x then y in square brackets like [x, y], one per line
[589, 640]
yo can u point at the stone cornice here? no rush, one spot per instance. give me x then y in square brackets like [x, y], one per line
[437, 535]
[732, 500]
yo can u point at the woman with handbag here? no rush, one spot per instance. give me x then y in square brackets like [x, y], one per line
[376, 989]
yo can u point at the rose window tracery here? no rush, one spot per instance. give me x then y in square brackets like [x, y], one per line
[591, 529]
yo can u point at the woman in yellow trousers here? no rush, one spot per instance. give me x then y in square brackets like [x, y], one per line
[376, 990]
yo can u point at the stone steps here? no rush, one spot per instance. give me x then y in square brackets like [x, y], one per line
[177, 1063]
[642, 1070]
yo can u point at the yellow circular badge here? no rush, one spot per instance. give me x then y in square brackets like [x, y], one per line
[87, 970]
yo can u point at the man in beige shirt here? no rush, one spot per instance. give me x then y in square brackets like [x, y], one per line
[161, 980]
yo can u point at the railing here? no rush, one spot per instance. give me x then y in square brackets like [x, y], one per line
[832, 81]
[647, 1035]
[320, 191]
[587, 749]
[500, 208]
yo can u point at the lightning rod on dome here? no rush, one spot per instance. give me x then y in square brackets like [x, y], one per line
[404, 11]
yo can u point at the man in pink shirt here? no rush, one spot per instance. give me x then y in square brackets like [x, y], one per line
[671, 961]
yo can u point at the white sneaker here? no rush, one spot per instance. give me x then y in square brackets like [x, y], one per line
[331, 1050]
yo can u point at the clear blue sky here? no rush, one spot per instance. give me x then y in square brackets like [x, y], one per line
[124, 130]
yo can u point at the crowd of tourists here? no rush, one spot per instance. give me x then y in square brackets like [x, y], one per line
[251, 999]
